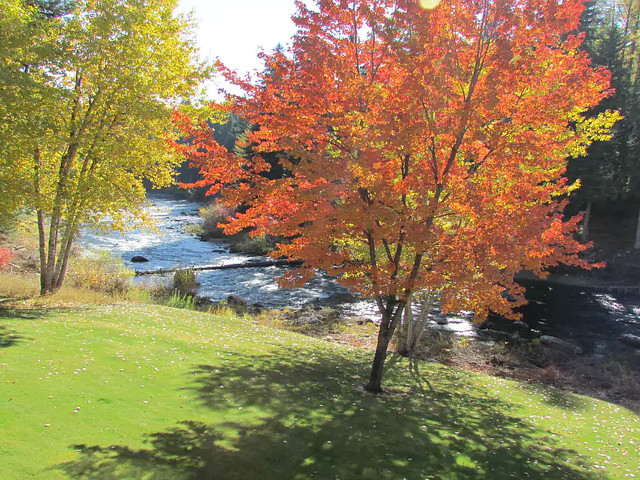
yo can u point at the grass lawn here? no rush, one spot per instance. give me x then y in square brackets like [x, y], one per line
[148, 392]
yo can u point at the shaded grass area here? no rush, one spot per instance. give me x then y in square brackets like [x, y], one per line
[149, 392]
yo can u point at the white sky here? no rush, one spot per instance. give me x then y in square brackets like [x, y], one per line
[234, 30]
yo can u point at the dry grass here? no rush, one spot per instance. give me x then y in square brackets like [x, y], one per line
[24, 289]
[18, 286]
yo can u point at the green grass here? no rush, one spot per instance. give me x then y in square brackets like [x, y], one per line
[150, 392]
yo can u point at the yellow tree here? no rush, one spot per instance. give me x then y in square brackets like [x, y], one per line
[87, 114]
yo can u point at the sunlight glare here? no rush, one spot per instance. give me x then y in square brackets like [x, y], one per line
[429, 4]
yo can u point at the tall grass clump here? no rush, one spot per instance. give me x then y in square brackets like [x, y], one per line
[102, 272]
[14, 285]
[178, 300]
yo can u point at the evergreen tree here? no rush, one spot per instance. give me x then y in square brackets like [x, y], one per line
[611, 170]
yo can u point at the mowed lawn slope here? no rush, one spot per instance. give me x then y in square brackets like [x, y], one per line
[148, 392]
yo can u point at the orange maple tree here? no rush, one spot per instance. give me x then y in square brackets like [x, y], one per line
[428, 149]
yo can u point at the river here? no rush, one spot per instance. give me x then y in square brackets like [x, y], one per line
[172, 246]
[588, 318]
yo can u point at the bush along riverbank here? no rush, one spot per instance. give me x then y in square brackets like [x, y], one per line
[212, 215]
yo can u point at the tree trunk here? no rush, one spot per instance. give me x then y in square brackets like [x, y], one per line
[585, 222]
[42, 237]
[63, 258]
[406, 331]
[413, 328]
[50, 248]
[375, 379]
[43, 252]
[636, 244]
[391, 316]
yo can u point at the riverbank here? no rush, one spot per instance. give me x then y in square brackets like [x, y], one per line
[583, 279]
[611, 374]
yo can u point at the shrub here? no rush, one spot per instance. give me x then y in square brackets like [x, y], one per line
[438, 344]
[5, 257]
[184, 282]
[153, 289]
[100, 271]
[260, 245]
[212, 215]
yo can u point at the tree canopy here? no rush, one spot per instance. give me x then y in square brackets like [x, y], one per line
[86, 103]
[430, 148]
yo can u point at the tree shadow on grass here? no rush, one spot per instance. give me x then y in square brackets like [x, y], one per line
[299, 415]
[10, 313]
[557, 397]
[8, 338]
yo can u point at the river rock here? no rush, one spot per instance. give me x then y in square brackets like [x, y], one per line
[487, 325]
[339, 297]
[139, 259]
[629, 339]
[358, 320]
[560, 344]
[309, 316]
[203, 302]
[237, 304]
[255, 309]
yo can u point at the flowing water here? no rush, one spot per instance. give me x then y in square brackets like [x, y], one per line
[585, 317]
[171, 246]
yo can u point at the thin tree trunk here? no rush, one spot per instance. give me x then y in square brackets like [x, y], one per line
[67, 241]
[51, 249]
[585, 222]
[408, 319]
[413, 327]
[421, 324]
[42, 238]
[65, 251]
[636, 244]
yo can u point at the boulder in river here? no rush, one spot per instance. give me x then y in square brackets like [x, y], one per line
[629, 339]
[237, 304]
[139, 259]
